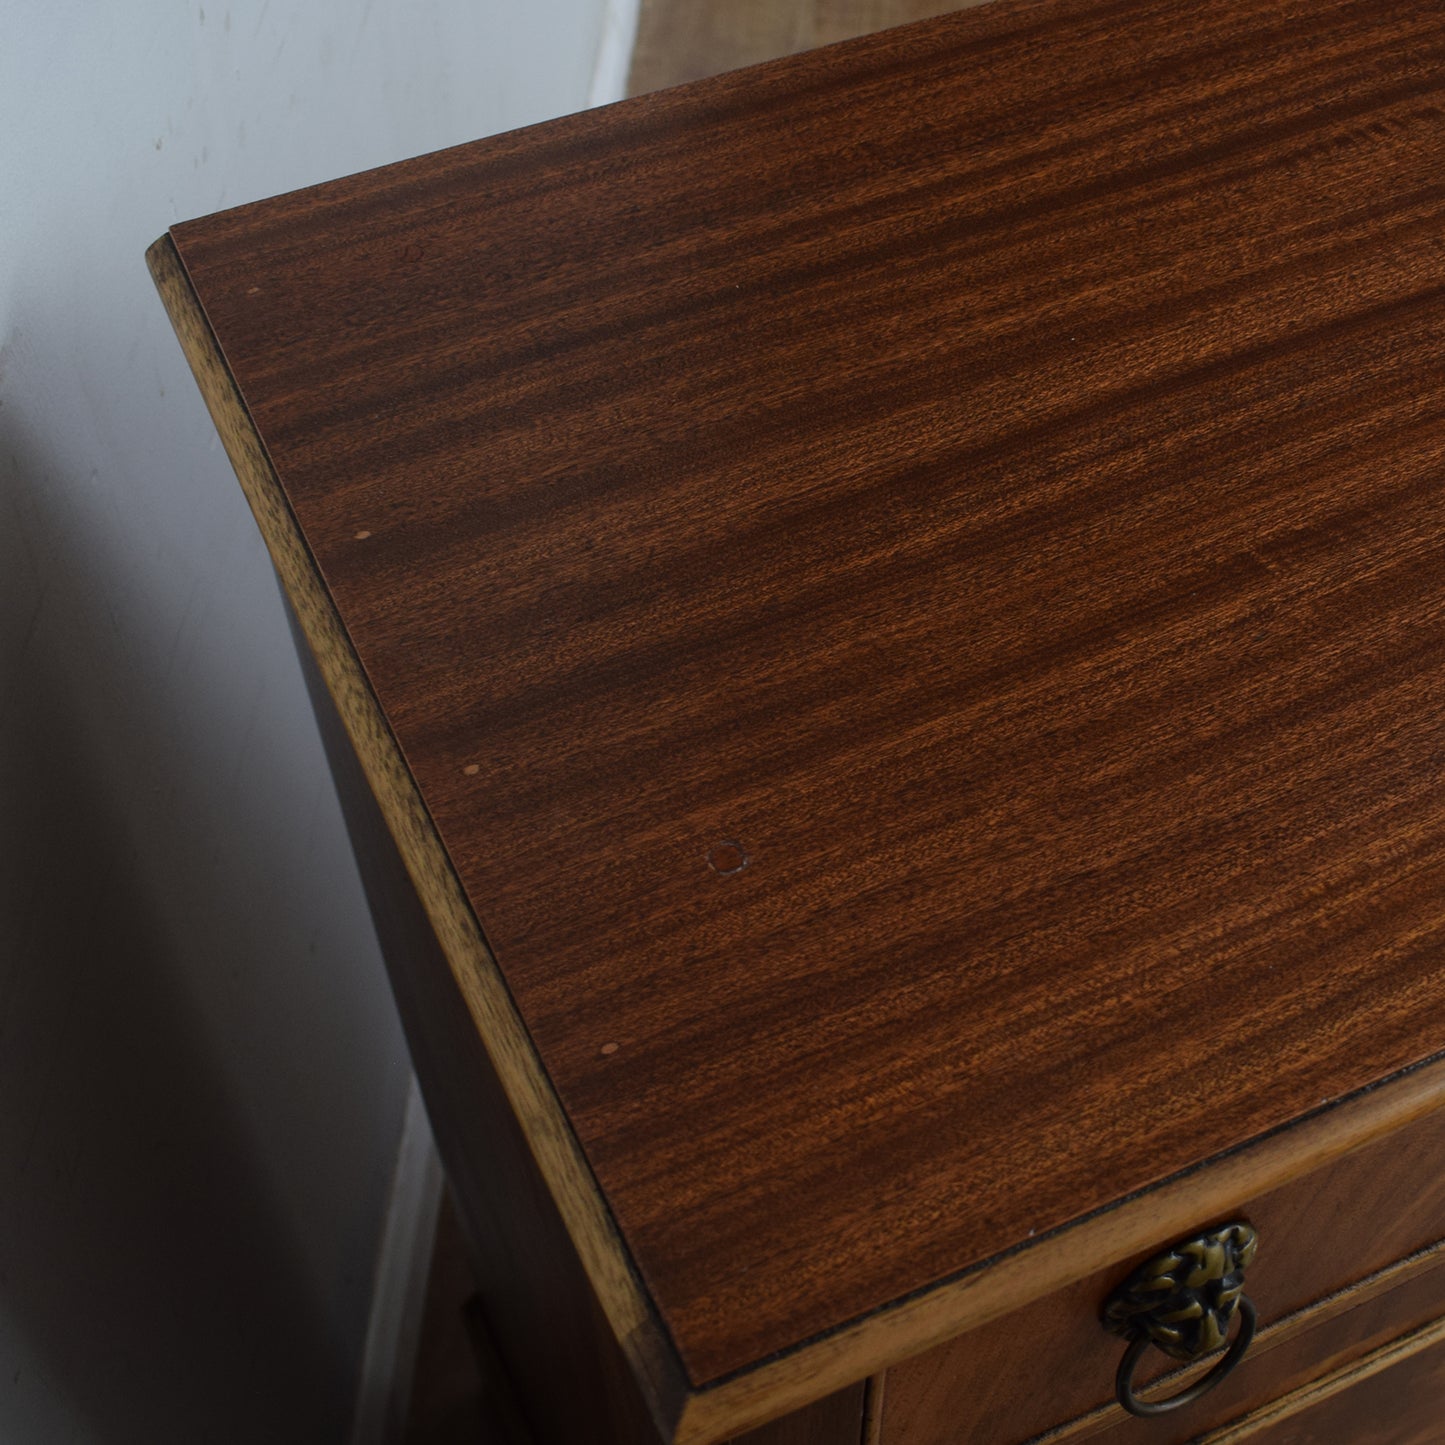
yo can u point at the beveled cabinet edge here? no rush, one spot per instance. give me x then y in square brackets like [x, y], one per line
[832, 1361]
[630, 1313]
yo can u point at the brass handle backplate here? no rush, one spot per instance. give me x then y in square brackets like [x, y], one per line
[1183, 1302]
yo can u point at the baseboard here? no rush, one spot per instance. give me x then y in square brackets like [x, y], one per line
[614, 52]
[399, 1290]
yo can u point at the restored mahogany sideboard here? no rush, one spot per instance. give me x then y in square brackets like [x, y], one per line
[881, 626]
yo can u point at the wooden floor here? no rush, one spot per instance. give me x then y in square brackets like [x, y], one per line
[680, 40]
[677, 41]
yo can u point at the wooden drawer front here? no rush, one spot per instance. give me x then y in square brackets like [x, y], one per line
[1345, 1262]
[1393, 1396]
[1287, 1356]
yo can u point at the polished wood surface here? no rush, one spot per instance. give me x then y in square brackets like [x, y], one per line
[982, 475]
[1320, 1236]
[557, 1373]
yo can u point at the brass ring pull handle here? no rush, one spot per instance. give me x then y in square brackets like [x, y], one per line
[1182, 1302]
[1124, 1380]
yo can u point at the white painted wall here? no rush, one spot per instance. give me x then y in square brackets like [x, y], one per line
[201, 1081]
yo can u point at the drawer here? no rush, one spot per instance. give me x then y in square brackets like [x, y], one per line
[1383, 1401]
[1290, 1358]
[1346, 1261]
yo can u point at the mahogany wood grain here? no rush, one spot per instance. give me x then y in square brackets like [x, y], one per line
[1051, 1361]
[985, 473]
[549, 1334]
[562, 1364]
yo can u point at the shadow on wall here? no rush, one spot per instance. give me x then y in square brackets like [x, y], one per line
[146, 1278]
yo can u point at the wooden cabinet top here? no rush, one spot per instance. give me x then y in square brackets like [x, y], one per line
[908, 583]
